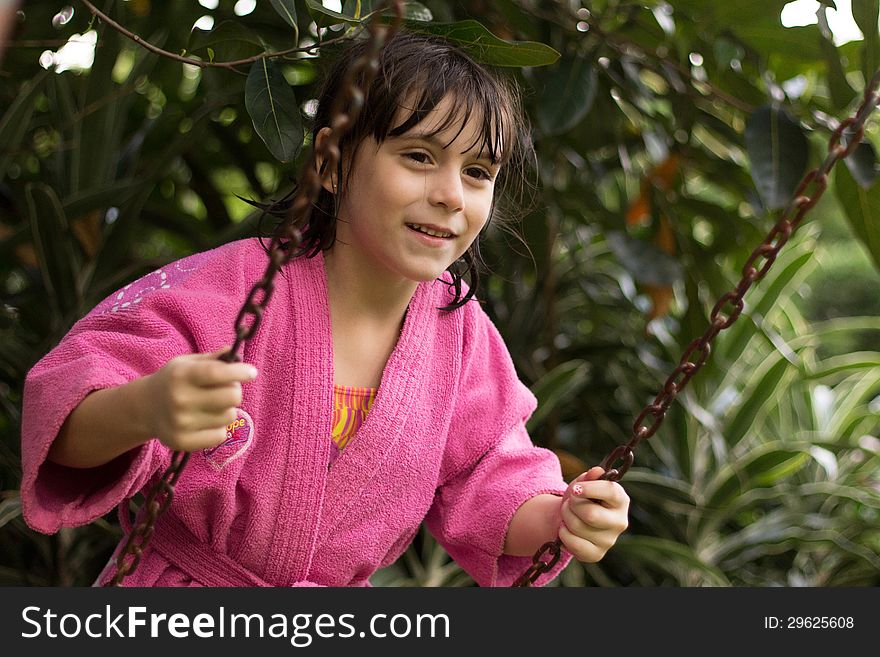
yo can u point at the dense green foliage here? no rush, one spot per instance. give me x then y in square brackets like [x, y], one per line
[669, 137]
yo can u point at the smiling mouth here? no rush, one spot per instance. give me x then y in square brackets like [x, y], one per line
[430, 231]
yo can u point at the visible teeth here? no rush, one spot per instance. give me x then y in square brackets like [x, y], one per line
[428, 231]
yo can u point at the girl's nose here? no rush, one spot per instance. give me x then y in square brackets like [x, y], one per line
[446, 190]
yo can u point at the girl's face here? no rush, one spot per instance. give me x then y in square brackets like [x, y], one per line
[413, 203]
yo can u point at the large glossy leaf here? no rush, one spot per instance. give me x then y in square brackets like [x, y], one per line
[287, 10]
[273, 108]
[326, 16]
[55, 252]
[556, 387]
[416, 11]
[842, 93]
[865, 13]
[487, 48]
[862, 164]
[791, 43]
[862, 208]
[720, 15]
[354, 15]
[778, 154]
[228, 41]
[567, 95]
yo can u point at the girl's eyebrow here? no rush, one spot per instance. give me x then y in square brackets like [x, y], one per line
[435, 140]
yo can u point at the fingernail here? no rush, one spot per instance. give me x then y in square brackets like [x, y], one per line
[252, 371]
[577, 489]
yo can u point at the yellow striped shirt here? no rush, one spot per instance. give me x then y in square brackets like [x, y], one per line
[350, 407]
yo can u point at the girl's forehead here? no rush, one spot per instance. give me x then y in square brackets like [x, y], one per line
[452, 123]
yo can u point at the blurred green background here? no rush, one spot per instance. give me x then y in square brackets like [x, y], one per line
[670, 135]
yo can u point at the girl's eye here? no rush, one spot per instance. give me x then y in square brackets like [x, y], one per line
[478, 173]
[417, 156]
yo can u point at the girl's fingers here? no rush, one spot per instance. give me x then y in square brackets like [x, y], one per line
[216, 373]
[608, 493]
[197, 440]
[591, 475]
[583, 549]
[585, 517]
[220, 398]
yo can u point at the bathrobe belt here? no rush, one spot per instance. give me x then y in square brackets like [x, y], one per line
[180, 547]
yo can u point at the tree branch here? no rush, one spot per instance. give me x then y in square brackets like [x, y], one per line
[230, 65]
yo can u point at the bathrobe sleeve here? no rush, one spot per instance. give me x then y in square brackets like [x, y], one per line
[490, 465]
[110, 346]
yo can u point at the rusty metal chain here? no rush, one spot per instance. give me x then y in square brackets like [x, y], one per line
[807, 194]
[344, 111]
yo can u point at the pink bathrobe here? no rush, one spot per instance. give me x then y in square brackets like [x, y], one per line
[444, 442]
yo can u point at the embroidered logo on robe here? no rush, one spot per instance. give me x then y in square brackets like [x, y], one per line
[239, 435]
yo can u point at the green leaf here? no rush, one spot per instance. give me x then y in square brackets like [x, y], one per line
[800, 44]
[763, 466]
[10, 509]
[778, 153]
[760, 393]
[97, 135]
[862, 164]
[320, 13]
[17, 119]
[287, 10]
[866, 14]
[669, 556]
[416, 11]
[63, 110]
[765, 295]
[861, 207]
[557, 387]
[841, 91]
[646, 262]
[112, 194]
[54, 247]
[273, 108]
[568, 95]
[487, 48]
[229, 41]
[659, 489]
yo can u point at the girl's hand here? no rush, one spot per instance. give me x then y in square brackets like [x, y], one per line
[194, 398]
[594, 514]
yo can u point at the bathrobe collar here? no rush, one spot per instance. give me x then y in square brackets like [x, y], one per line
[313, 493]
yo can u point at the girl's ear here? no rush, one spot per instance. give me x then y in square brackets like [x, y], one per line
[328, 178]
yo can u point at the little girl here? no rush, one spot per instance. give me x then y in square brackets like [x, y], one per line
[385, 396]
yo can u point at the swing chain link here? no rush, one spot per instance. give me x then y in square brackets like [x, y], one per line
[283, 247]
[851, 131]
